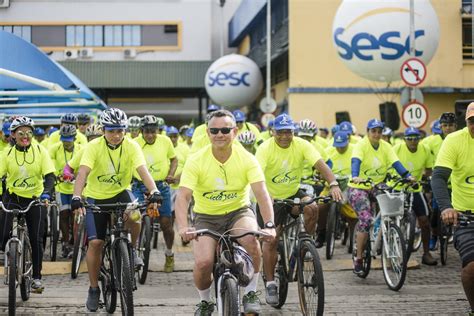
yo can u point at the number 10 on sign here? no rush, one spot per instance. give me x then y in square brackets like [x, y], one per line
[415, 114]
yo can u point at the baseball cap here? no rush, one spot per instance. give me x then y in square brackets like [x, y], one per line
[374, 123]
[340, 139]
[335, 129]
[470, 110]
[345, 127]
[387, 131]
[412, 131]
[213, 107]
[39, 131]
[239, 116]
[52, 130]
[270, 123]
[171, 130]
[6, 128]
[190, 132]
[436, 127]
[66, 138]
[283, 121]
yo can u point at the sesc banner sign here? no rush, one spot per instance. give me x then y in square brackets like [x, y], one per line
[372, 38]
[233, 81]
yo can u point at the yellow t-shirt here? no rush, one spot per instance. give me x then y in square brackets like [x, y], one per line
[199, 131]
[182, 152]
[157, 156]
[54, 138]
[308, 167]
[341, 163]
[265, 135]
[220, 188]
[111, 170]
[24, 171]
[374, 162]
[60, 157]
[321, 141]
[456, 153]
[3, 145]
[416, 162]
[434, 144]
[283, 167]
[75, 161]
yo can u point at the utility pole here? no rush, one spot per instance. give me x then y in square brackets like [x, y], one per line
[412, 42]
[269, 50]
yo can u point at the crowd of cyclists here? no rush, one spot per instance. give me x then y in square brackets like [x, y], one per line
[230, 171]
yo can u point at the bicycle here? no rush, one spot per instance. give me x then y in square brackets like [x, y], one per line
[298, 260]
[388, 241]
[229, 272]
[53, 228]
[117, 266]
[80, 245]
[446, 232]
[144, 242]
[18, 257]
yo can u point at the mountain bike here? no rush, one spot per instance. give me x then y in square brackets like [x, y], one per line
[80, 244]
[144, 243]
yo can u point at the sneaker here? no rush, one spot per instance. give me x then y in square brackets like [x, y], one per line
[37, 286]
[428, 259]
[204, 309]
[358, 266]
[433, 243]
[92, 302]
[169, 264]
[138, 260]
[321, 239]
[251, 303]
[271, 294]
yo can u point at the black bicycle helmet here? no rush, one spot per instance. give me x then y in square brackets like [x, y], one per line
[447, 118]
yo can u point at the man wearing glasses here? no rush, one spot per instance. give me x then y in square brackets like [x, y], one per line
[218, 177]
[455, 160]
[417, 159]
[282, 159]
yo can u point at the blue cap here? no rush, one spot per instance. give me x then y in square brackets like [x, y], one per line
[340, 139]
[172, 130]
[213, 107]
[39, 131]
[412, 131]
[374, 123]
[239, 116]
[270, 123]
[67, 138]
[52, 130]
[283, 121]
[346, 127]
[436, 128]
[335, 129]
[6, 128]
[190, 132]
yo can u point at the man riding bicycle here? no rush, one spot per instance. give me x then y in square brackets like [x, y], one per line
[218, 177]
[107, 164]
[455, 160]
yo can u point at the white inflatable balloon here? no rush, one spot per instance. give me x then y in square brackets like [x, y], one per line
[372, 38]
[233, 81]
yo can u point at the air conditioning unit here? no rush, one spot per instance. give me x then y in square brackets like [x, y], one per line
[130, 53]
[86, 53]
[70, 54]
[4, 3]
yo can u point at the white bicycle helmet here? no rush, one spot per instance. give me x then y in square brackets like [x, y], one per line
[68, 130]
[307, 127]
[149, 121]
[247, 138]
[113, 118]
[20, 121]
[84, 118]
[69, 118]
[134, 122]
[161, 122]
[94, 130]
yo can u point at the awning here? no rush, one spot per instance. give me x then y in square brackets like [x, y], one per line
[32, 84]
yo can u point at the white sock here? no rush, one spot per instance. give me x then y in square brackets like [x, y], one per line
[253, 283]
[271, 282]
[205, 295]
[168, 252]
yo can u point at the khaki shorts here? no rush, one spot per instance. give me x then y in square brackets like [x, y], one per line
[222, 223]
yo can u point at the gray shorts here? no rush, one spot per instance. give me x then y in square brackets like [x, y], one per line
[222, 223]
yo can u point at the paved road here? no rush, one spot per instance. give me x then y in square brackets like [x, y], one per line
[427, 291]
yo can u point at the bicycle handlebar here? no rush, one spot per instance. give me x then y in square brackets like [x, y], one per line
[209, 232]
[465, 219]
[114, 207]
[35, 202]
[298, 202]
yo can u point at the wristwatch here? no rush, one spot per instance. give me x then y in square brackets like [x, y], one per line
[334, 184]
[269, 224]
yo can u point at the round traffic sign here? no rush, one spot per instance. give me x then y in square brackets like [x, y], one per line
[415, 114]
[413, 72]
[268, 106]
[267, 117]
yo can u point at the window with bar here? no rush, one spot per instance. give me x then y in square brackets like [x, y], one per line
[467, 16]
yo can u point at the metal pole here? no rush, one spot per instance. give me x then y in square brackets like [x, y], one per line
[412, 41]
[222, 3]
[269, 50]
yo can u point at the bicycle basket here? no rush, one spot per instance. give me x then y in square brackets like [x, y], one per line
[391, 204]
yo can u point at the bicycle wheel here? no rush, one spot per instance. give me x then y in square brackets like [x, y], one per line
[230, 298]
[144, 249]
[407, 227]
[12, 277]
[124, 277]
[310, 279]
[27, 270]
[366, 254]
[109, 291]
[281, 276]
[79, 248]
[53, 232]
[443, 249]
[156, 231]
[331, 227]
[417, 241]
[394, 258]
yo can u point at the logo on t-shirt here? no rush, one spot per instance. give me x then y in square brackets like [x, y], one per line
[24, 183]
[218, 195]
[154, 168]
[470, 180]
[285, 177]
[112, 179]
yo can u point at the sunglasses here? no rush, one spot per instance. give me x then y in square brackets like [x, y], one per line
[223, 130]
[23, 134]
[412, 138]
[150, 130]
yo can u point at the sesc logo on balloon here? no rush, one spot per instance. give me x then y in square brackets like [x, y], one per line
[372, 38]
[233, 80]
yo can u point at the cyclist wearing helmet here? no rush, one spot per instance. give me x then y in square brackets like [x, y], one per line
[134, 123]
[61, 153]
[244, 126]
[387, 134]
[29, 174]
[161, 162]
[66, 119]
[182, 134]
[39, 134]
[248, 139]
[83, 121]
[200, 131]
[161, 126]
[107, 165]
